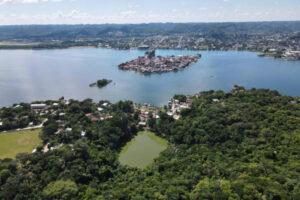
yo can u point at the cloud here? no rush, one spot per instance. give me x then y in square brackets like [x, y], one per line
[26, 1]
[128, 13]
[203, 14]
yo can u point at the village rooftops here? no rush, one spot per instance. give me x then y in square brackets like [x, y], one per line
[159, 64]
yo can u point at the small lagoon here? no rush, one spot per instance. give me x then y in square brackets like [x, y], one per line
[142, 150]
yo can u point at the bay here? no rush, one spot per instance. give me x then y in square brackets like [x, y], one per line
[29, 75]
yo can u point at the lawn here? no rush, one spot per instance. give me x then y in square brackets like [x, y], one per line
[13, 143]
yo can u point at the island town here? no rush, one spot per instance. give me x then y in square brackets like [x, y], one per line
[152, 64]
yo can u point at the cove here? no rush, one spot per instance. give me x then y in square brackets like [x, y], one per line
[142, 149]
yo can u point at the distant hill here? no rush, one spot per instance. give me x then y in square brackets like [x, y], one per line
[28, 33]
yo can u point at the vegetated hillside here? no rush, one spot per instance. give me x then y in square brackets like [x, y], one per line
[72, 32]
[238, 145]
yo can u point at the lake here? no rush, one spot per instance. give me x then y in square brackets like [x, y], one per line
[29, 75]
[142, 149]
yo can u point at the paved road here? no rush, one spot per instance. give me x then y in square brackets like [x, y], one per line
[27, 128]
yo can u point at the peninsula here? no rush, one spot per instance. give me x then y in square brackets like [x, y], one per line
[152, 64]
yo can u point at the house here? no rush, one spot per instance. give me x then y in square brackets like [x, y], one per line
[100, 109]
[68, 129]
[46, 148]
[176, 117]
[294, 102]
[184, 106]
[59, 131]
[38, 106]
[142, 123]
[143, 47]
[56, 147]
[83, 133]
[105, 104]
[1, 123]
[94, 119]
[170, 113]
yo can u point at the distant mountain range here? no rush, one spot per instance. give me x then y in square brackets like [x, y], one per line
[30, 33]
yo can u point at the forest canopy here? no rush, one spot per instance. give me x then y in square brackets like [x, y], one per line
[243, 146]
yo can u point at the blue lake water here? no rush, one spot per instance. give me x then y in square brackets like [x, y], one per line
[29, 75]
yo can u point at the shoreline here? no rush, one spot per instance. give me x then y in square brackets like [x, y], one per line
[55, 47]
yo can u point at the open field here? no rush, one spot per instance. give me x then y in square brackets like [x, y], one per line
[12, 143]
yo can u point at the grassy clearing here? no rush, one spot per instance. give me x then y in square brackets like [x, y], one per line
[13, 143]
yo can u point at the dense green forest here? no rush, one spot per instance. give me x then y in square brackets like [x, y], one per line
[73, 32]
[243, 144]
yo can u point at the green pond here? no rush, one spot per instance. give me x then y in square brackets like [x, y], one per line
[142, 149]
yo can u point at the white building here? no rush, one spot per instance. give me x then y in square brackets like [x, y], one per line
[176, 117]
[38, 106]
[83, 133]
[170, 113]
[142, 123]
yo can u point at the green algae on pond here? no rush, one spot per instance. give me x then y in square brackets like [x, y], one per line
[142, 149]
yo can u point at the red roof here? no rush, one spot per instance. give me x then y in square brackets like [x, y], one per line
[94, 119]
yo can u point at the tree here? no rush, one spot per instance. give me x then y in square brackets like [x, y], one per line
[60, 190]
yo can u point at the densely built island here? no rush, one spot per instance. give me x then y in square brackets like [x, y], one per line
[152, 64]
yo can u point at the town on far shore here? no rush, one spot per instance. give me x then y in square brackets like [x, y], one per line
[157, 64]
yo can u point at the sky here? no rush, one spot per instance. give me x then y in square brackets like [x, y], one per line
[145, 11]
